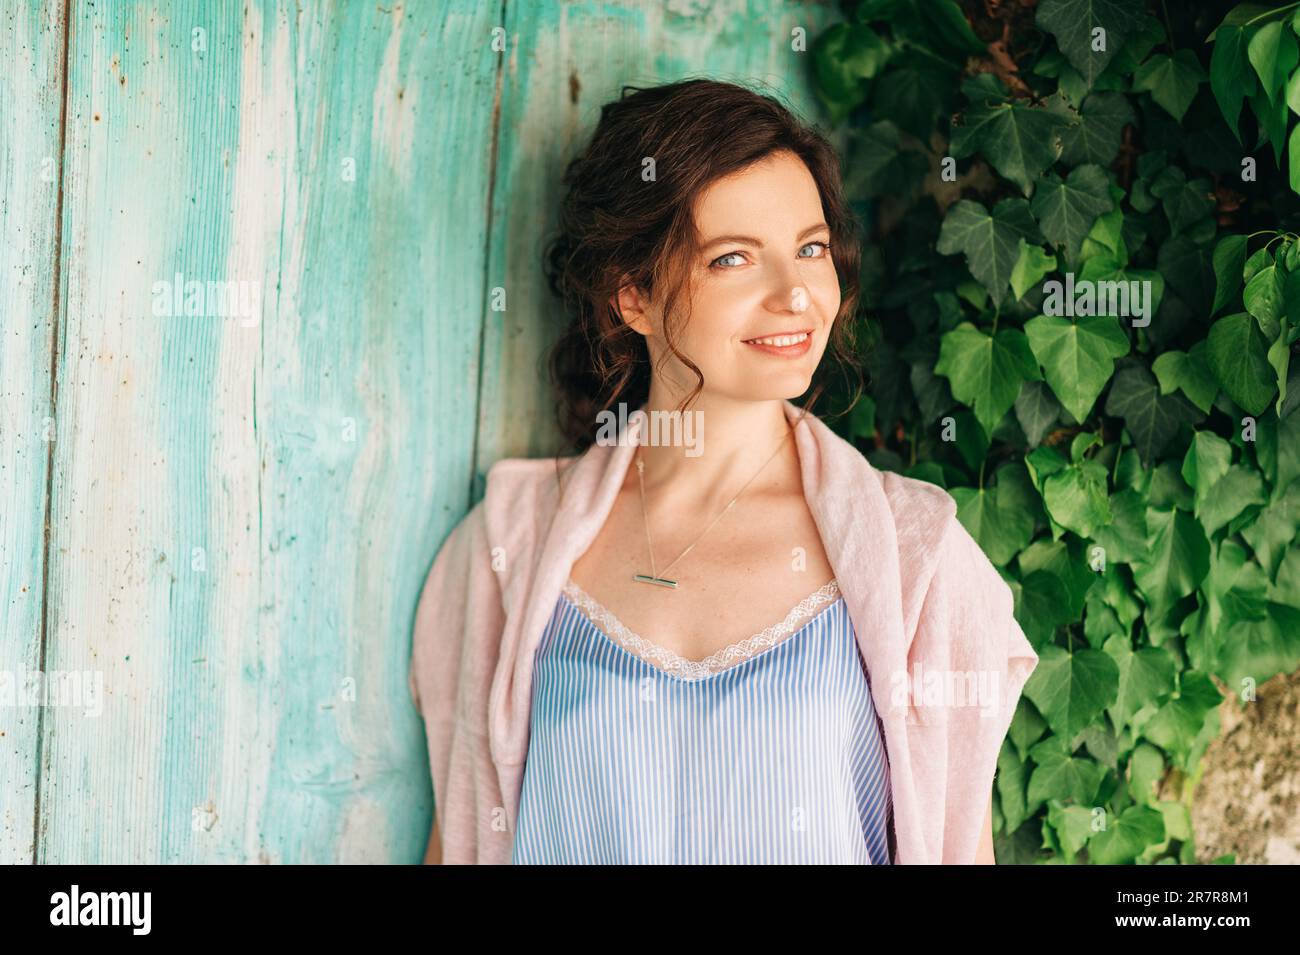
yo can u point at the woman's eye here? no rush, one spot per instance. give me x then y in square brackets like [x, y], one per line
[718, 262]
[825, 246]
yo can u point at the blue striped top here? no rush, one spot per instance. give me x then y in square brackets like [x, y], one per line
[769, 751]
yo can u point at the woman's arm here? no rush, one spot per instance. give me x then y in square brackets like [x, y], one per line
[984, 854]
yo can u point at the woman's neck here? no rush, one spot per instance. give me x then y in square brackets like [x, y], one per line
[700, 464]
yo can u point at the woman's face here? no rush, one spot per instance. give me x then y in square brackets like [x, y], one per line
[764, 271]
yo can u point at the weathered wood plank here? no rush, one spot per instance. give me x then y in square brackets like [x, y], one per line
[246, 502]
[31, 94]
[246, 492]
[564, 61]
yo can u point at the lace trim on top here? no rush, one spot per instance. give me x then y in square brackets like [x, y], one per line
[678, 666]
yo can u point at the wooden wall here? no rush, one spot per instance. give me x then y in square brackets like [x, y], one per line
[222, 513]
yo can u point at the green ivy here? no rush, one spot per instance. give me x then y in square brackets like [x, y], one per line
[1128, 462]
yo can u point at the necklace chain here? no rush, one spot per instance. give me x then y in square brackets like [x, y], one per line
[640, 470]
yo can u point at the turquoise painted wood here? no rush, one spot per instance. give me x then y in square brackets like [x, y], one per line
[258, 321]
[31, 49]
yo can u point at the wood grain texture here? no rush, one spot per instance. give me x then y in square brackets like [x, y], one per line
[251, 477]
[31, 95]
[246, 504]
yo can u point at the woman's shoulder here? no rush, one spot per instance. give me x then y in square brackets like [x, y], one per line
[524, 484]
[923, 512]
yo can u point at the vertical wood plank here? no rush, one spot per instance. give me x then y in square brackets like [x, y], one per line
[31, 95]
[247, 500]
[565, 59]
[251, 479]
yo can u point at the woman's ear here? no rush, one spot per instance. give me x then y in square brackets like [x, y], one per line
[633, 306]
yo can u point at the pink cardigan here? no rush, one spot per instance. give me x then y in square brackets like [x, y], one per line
[931, 614]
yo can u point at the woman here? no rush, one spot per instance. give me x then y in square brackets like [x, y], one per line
[707, 646]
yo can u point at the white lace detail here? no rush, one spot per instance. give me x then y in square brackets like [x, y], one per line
[679, 666]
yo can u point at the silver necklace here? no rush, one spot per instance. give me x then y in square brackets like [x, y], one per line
[654, 577]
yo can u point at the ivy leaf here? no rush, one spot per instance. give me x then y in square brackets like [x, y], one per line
[1293, 159]
[990, 242]
[1076, 497]
[1177, 559]
[1126, 836]
[1145, 769]
[1125, 537]
[1176, 725]
[1261, 649]
[1279, 356]
[1067, 209]
[1010, 780]
[1144, 675]
[1207, 459]
[1237, 490]
[939, 24]
[1188, 268]
[1060, 776]
[878, 164]
[972, 440]
[1072, 23]
[844, 57]
[1238, 356]
[1189, 373]
[1223, 490]
[1275, 531]
[1152, 419]
[999, 518]
[1261, 258]
[1037, 410]
[1032, 264]
[1229, 262]
[1072, 824]
[1019, 141]
[1066, 560]
[912, 96]
[1263, 298]
[1185, 202]
[1027, 727]
[1043, 606]
[1230, 77]
[1171, 80]
[1246, 14]
[1078, 357]
[1096, 137]
[1071, 689]
[1273, 53]
[933, 396]
[985, 372]
[1272, 121]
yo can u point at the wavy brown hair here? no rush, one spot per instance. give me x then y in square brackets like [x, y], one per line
[617, 229]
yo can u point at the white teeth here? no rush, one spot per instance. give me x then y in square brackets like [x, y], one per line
[780, 340]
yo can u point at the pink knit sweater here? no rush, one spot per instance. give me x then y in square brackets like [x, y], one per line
[933, 619]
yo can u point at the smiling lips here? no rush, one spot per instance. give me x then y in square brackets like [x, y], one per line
[785, 345]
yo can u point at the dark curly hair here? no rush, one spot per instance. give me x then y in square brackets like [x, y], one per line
[616, 229]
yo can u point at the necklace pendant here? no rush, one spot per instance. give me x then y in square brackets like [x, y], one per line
[658, 581]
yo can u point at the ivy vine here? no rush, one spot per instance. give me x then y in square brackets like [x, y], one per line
[1081, 306]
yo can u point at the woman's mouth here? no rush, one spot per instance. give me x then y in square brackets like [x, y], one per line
[785, 345]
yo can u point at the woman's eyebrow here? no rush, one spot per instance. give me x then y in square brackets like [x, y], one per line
[750, 240]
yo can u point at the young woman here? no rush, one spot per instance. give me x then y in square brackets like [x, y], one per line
[696, 645]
